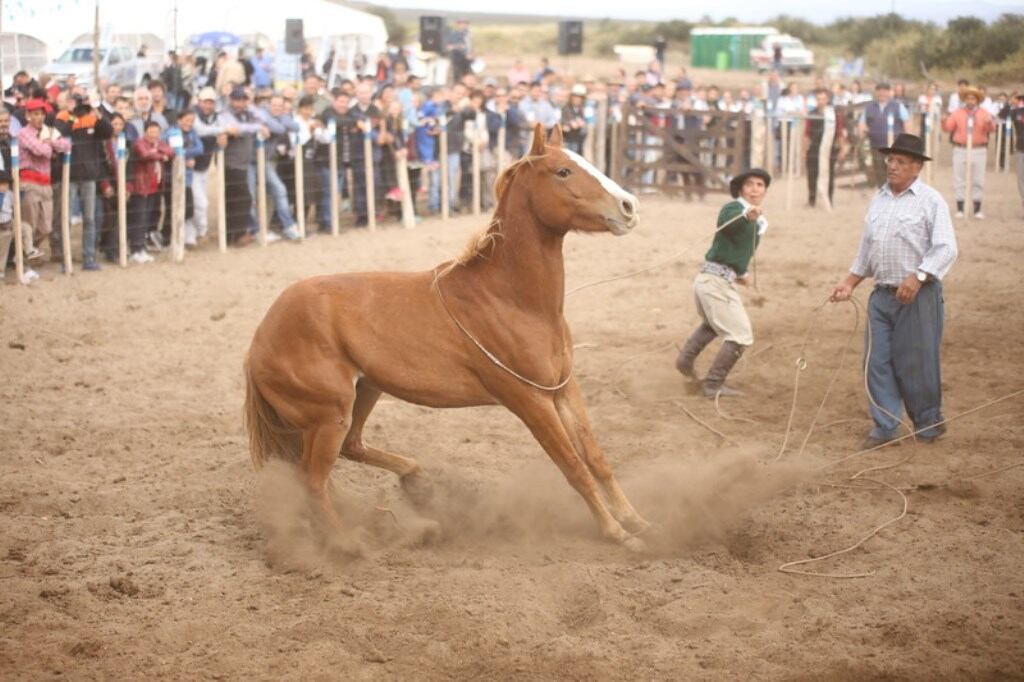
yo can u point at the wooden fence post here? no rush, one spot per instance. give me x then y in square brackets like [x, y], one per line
[122, 200]
[177, 207]
[756, 138]
[503, 143]
[1008, 145]
[261, 189]
[589, 150]
[828, 135]
[928, 145]
[19, 245]
[65, 210]
[617, 149]
[601, 133]
[787, 161]
[222, 212]
[408, 208]
[371, 195]
[473, 134]
[443, 151]
[300, 187]
[997, 156]
[332, 185]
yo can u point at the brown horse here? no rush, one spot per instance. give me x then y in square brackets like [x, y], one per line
[485, 329]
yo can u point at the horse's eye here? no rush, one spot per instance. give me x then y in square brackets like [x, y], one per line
[563, 172]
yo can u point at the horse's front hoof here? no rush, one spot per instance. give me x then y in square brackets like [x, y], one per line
[637, 525]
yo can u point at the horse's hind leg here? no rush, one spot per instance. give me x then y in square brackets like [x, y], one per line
[409, 472]
[320, 446]
[573, 414]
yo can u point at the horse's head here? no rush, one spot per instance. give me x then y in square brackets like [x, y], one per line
[569, 193]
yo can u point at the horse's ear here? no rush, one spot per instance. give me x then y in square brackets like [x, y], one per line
[537, 148]
[555, 139]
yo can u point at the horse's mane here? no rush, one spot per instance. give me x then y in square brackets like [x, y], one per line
[479, 244]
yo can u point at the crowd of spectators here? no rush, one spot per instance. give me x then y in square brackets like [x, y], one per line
[233, 106]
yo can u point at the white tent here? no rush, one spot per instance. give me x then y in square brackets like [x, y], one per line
[59, 22]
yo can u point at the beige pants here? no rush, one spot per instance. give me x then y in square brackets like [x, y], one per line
[7, 241]
[978, 155]
[719, 304]
[37, 209]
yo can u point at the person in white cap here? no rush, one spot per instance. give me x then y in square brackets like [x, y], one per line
[213, 134]
[574, 120]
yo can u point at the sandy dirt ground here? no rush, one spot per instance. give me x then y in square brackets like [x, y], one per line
[136, 541]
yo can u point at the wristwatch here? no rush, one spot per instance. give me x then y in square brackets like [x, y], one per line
[922, 276]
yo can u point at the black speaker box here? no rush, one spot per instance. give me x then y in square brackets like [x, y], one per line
[570, 37]
[294, 42]
[432, 34]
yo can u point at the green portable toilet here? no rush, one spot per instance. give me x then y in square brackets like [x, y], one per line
[707, 43]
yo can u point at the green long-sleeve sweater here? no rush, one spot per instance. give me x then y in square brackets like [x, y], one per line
[734, 245]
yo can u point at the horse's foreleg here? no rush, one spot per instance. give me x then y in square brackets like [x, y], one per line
[573, 414]
[542, 418]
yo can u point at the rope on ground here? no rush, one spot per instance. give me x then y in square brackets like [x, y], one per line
[832, 380]
[801, 365]
[983, 406]
[723, 415]
[993, 472]
[788, 567]
[703, 423]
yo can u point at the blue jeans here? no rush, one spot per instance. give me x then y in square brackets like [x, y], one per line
[904, 367]
[250, 179]
[83, 192]
[434, 196]
[323, 210]
[279, 195]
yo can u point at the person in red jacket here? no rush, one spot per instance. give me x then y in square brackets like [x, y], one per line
[148, 156]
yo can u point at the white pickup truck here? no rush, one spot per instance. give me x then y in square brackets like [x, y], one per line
[795, 57]
[118, 64]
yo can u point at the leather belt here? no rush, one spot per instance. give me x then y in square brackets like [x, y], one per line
[724, 271]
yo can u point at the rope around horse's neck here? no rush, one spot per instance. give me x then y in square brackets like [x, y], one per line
[491, 356]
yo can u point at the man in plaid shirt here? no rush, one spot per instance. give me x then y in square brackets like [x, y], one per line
[908, 247]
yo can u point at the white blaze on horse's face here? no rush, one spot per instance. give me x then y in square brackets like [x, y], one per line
[628, 205]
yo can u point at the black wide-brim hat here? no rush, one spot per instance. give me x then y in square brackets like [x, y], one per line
[736, 184]
[908, 144]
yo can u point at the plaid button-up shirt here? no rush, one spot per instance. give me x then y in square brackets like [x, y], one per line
[906, 233]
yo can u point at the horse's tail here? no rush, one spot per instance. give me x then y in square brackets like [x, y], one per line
[269, 434]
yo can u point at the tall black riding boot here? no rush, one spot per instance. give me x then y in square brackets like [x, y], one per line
[714, 382]
[698, 340]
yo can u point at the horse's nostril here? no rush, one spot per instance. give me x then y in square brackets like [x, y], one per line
[627, 207]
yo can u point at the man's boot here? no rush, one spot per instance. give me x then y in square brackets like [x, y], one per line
[698, 340]
[714, 382]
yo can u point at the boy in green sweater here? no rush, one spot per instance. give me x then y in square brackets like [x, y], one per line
[741, 224]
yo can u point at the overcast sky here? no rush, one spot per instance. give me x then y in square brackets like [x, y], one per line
[816, 11]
